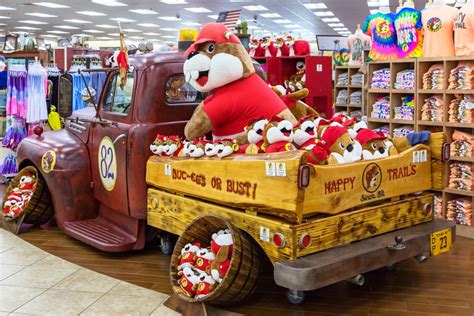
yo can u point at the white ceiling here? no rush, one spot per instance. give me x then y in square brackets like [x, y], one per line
[304, 22]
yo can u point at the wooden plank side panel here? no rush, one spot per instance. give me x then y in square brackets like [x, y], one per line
[239, 181]
[348, 227]
[174, 213]
[336, 188]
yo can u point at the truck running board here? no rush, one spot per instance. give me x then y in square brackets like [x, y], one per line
[100, 234]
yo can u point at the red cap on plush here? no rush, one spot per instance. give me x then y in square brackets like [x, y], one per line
[277, 119]
[213, 32]
[331, 134]
[304, 118]
[366, 135]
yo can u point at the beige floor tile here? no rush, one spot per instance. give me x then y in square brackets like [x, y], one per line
[87, 280]
[123, 305]
[3, 313]
[38, 277]
[162, 310]
[212, 311]
[8, 269]
[125, 288]
[8, 240]
[23, 255]
[56, 263]
[12, 297]
[59, 302]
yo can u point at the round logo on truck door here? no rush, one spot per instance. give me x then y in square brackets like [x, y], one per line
[107, 163]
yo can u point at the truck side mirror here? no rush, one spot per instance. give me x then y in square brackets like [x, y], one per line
[65, 96]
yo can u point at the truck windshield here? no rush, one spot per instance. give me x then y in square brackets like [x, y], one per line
[119, 100]
[178, 91]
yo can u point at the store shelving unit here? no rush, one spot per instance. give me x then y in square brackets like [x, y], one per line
[395, 95]
[347, 107]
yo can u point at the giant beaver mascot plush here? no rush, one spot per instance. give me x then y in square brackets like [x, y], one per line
[218, 63]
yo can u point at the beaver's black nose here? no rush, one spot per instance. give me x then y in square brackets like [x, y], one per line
[381, 150]
[192, 54]
[350, 148]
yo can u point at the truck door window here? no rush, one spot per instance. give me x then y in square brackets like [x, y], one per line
[178, 91]
[119, 100]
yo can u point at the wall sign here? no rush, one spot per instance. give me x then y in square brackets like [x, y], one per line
[107, 160]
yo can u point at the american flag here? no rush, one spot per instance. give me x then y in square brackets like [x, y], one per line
[229, 18]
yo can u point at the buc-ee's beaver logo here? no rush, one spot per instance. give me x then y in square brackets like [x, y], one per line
[372, 178]
[434, 24]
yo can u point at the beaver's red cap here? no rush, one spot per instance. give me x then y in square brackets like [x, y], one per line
[213, 32]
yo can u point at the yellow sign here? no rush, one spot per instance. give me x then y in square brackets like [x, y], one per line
[440, 241]
[107, 160]
[48, 161]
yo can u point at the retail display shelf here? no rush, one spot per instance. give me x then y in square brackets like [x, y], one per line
[430, 123]
[466, 159]
[459, 192]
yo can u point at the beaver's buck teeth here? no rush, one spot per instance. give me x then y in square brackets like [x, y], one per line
[195, 74]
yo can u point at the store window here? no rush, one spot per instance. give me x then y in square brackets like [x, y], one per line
[118, 99]
[178, 91]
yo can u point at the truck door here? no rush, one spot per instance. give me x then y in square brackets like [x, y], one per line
[109, 144]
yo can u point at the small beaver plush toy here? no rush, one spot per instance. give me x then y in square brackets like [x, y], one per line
[278, 136]
[342, 147]
[373, 145]
[254, 137]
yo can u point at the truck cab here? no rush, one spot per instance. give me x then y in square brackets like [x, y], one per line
[95, 166]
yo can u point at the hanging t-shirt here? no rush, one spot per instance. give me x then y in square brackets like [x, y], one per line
[384, 38]
[464, 31]
[408, 25]
[438, 26]
[357, 42]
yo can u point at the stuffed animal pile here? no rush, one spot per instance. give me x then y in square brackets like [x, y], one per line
[20, 196]
[280, 46]
[201, 268]
[336, 141]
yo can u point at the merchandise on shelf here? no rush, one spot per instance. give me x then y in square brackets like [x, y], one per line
[461, 110]
[462, 144]
[408, 26]
[462, 77]
[357, 42]
[405, 80]
[384, 38]
[383, 129]
[381, 108]
[343, 79]
[438, 205]
[433, 109]
[464, 31]
[434, 77]
[341, 97]
[460, 210]
[381, 79]
[402, 131]
[356, 98]
[460, 176]
[406, 110]
[356, 114]
[438, 27]
[357, 79]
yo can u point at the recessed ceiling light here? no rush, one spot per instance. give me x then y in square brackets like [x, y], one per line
[4, 17]
[148, 24]
[174, 1]
[282, 21]
[6, 8]
[93, 31]
[336, 24]
[198, 10]
[169, 29]
[293, 26]
[378, 3]
[324, 13]
[344, 33]
[136, 37]
[66, 27]
[151, 34]
[27, 28]
[2, 24]
[169, 18]
[104, 38]
[107, 26]
[315, 6]
[341, 29]
[330, 20]
[91, 13]
[77, 21]
[255, 8]
[191, 23]
[50, 35]
[110, 3]
[122, 20]
[253, 27]
[213, 16]
[374, 11]
[113, 34]
[58, 32]
[270, 15]
[82, 35]
[143, 11]
[42, 15]
[32, 22]
[131, 30]
[51, 5]
[168, 36]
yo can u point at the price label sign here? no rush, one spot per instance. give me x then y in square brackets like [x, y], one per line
[440, 241]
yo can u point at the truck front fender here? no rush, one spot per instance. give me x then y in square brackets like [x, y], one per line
[63, 160]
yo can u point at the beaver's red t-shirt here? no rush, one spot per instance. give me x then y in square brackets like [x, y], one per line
[231, 107]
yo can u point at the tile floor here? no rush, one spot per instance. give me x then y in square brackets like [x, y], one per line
[33, 282]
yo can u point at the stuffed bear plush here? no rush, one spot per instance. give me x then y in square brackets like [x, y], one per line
[268, 47]
[158, 144]
[196, 148]
[341, 146]
[188, 281]
[278, 136]
[290, 42]
[174, 147]
[294, 102]
[204, 259]
[205, 286]
[373, 145]
[218, 62]
[226, 147]
[255, 50]
[254, 137]
[211, 149]
[188, 255]
[281, 48]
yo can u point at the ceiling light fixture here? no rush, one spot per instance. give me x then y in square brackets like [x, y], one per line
[113, 34]
[122, 20]
[131, 30]
[324, 13]
[292, 26]
[174, 1]
[41, 15]
[198, 10]
[77, 21]
[82, 35]
[148, 24]
[93, 31]
[378, 3]
[143, 11]
[326, 20]
[168, 29]
[341, 29]
[110, 3]
[32, 22]
[151, 34]
[4, 17]
[282, 21]
[336, 24]
[51, 5]
[315, 6]
[106, 26]
[213, 16]
[270, 15]
[136, 37]
[255, 8]
[169, 18]
[27, 28]
[57, 32]
[191, 23]
[66, 27]
[91, 13]
[6, 8]
[104, 38]
[168, 36]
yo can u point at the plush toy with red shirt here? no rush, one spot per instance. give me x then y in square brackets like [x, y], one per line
[188, 255]
[218, 63]
[281, 48]
[340, 146]
[158, 145]
[188, 281]
[268, 47]
[204, 258]
[278, 136]
[374, 145]
[210, 149]
[222, 246]
[174, 147]
[255, 50]
[226, 147]
[254, 137]
[197, 148]
[206, 285]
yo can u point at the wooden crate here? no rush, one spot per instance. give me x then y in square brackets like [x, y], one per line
[269, 183]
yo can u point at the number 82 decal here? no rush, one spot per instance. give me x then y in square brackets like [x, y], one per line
[107, 163]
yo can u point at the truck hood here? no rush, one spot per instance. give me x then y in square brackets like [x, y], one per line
[78, 127]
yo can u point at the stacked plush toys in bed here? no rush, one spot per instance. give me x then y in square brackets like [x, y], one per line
[201, 268]
[19, 196]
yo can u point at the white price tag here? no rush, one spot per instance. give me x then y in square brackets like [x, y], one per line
[281, 169]
[416, 156]
[270, 169]
[265, 234]
[423, 155]
[168, 169]
[319, 67]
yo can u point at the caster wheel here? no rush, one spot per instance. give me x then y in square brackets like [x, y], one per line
[391, 267]
[166, 245]
[295, 297]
